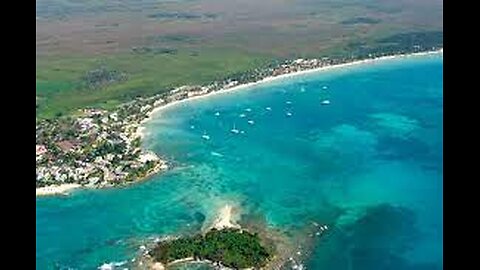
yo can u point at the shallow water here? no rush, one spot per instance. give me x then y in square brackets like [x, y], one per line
[369, 165]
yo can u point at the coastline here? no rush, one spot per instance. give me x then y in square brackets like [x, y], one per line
[56, 189]
[348, 70]
[150, 115]
[156, 104]
[64, 189]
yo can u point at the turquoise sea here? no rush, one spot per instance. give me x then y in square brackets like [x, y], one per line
[369, 164]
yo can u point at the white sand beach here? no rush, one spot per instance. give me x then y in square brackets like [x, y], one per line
[225, 219]
[157, 266]
[141, 128]
[140, 132]
[56, 189]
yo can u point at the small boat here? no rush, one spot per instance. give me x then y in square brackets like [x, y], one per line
[268, 108]
[205, 136]
[324, 87]
[289, 114]
[325, 102]
[216, 154]
[248, 110]
[217, 114]
[251, 122]
[242, 115]
[302, 89]
[242, 132]
[192, 127]
[288, 102]
[234, 130]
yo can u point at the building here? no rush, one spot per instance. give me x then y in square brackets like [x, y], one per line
[41, 149]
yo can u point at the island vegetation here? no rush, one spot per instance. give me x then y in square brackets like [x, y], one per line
[233, 248]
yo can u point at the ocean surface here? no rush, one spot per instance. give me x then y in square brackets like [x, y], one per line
[369, 164]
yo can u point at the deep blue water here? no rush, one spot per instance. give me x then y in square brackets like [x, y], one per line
[369, 164]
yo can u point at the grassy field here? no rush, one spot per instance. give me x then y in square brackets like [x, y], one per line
[161, 44]
[60, 87]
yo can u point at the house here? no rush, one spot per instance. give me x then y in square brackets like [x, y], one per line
[85, 123]
[41, 149]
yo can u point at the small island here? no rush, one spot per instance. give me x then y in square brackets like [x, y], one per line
[230, 247]
[222, 244]
[225, 244]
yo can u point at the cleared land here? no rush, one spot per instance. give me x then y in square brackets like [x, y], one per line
[102, 53]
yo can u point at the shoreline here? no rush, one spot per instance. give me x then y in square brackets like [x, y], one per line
[156, 104]
[63, 189]
[150, 115]
[56, 189]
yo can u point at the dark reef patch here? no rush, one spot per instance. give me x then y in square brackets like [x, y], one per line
[361, 20]
[379, 239]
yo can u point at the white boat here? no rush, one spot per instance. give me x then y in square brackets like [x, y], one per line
[111, 266]
[268, 108]
[241, 131]
[251, 122]
[324, 87]
[216, 154]
[217, 114]
[192, 127]
[242, 115]
[248, 110]
[289, 114]
[288, 102]
[325, 102]
[235, 130]
[302, 89]
[205, 136]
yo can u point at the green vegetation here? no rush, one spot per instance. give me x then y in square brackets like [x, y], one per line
[154, 50]
[231, 247]
[62, 88]
[408, 42]
[102, 77]
[148, 47]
